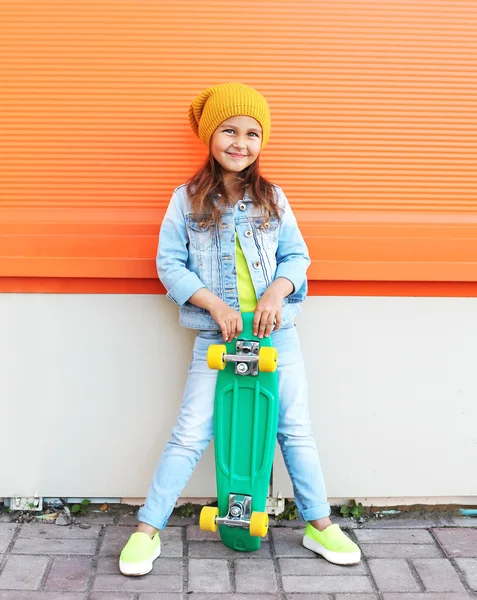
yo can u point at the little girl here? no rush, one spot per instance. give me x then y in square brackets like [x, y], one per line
[229, 243]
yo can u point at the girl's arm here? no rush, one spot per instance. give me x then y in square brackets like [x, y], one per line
[183, 285]
[293, 259]
[292, 263]
[268, 312]
[172, 255]
[228, 319]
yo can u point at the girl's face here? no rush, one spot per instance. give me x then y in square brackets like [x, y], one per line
[236, 143]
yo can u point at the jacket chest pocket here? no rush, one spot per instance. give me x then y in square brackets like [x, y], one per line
[201, 234]
[266, 230]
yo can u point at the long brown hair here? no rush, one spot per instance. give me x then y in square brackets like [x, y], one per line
[208, 183]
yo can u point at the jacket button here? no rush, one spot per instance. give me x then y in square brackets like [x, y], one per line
[266, 225]
[248, 233]
[256, 264]
[242, 206]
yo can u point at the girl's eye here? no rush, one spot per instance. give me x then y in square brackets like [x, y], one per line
[229, 131]
[253, 133]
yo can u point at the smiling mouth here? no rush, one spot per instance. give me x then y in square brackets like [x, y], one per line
[235, 155]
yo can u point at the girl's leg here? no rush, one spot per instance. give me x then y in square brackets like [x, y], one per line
[295, 434]
[189, 439]
[301, 457]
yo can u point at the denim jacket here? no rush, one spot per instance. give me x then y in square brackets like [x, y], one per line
[192, 255]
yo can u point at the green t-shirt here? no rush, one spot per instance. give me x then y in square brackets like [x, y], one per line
[246, 291]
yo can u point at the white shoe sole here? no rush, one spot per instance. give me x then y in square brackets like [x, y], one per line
[338, 558]
[138, 569]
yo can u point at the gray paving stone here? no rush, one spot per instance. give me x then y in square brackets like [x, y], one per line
[159, 596]
[393, 575]
[218, 550]
[317, 597]
[401, 550]
[438, 575]
[48, 532]
[394, 536]
[305, 575]
[166, 596]
[255, 576]
[111, 596]
[97, 518]
[6, 533]
[54, 546]
[5, 518]
[295, 524]
[24, 595]
[127, 519]
[171, 542]
[149, 583]
[242, 597]
[355, 597]
[426, 596]
[317, 566]
[109, 565]
[329, 584]
[23, 572]
[288, 542]
[69, 574]
[209, 575]
[402, 524]
[116, 536]
[194, 533]
[468, 566]
[405, 523]
[114, 540]
[458, 542]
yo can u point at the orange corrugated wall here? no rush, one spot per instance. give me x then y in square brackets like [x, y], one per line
[374, 131]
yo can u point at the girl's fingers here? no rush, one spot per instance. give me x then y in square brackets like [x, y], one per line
[256, 321]
[233, 329]
[230, 326]
[223, 329]
[269, 327]
[239, 325]
[263, 324]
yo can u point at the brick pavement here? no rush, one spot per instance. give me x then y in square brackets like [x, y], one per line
[402, 560]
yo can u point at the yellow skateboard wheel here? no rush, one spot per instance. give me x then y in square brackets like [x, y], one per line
[215, 356]
[259, 524]
[207, 520]
[267, 360]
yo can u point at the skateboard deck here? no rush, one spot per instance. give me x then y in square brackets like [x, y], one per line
[245, 430]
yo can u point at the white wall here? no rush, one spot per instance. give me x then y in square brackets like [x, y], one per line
[90, 386]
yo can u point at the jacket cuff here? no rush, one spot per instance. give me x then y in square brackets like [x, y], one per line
[183, 289]
[292, 273]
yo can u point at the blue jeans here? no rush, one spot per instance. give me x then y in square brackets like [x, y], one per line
[194, 430]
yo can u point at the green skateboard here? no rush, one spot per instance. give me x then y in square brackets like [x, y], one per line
[245, 431]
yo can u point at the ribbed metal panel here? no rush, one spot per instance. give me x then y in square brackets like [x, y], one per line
[373, 102]
[374, 128]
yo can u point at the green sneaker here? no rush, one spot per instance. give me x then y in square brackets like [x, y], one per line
[139, 554]
[332, 544]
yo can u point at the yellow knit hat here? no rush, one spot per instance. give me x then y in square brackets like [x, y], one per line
[223, 101]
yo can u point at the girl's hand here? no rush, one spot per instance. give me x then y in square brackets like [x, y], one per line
[268, 313]
[228, 319]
